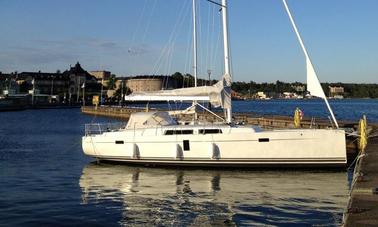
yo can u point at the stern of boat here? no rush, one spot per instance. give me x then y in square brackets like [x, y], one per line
[87, 145]
[94, 132]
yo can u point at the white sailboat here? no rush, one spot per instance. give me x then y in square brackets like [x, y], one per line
[156, 138]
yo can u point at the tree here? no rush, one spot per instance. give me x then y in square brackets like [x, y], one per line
[188, 80]
[122, 90]
[178, 79]
[112, 82]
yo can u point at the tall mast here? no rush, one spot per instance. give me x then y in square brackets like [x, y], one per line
[226, 51]
[194, 43]
[225, 38]
[33, 82]
[102, 88]
[194, 51]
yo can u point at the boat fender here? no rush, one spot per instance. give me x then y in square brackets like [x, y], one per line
[178, 154]
[214, 151]
[136, 154]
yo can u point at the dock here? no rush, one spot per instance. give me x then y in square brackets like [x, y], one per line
[362, 208]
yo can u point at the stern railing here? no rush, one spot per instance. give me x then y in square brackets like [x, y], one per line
[99, 128]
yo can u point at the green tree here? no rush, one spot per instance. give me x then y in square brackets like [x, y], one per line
[112, 82]
[121, 90]
[178, 79]
[188, 80]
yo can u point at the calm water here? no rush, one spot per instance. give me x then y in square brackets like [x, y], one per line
[347, 109]
[46, 180]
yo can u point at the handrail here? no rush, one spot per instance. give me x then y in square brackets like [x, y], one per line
[99, 128]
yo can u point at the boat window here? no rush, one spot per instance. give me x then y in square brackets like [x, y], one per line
[178, 132]
[209, 131]
[119, 142]
[263, 139]
[186, 145]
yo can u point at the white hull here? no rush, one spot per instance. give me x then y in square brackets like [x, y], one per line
[235, 146]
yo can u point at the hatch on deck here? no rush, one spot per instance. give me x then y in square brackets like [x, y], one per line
[149, 119]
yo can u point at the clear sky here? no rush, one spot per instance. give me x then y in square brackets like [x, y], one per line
[131, 37]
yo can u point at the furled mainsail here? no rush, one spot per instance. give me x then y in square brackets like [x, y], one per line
[219, 94]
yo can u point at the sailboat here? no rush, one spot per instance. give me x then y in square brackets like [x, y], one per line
[157, 138]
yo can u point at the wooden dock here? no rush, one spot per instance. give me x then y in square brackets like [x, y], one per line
[362, 209]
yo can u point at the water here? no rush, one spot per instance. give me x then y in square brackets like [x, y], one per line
[191, 197]
[46, 180]
[346, 109]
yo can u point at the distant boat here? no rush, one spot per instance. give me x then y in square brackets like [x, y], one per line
[156, 138]
[338, 97]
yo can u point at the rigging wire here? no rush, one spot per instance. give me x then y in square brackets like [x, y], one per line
[208, 46]
[199, 42]
[188, 59]
[206, 34]
[216, 48]
[170, 58]
[131, 51]
[173, 36]
[148, 21]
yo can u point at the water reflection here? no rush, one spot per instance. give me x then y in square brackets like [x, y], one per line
[154, 196]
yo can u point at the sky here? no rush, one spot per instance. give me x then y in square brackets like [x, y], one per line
[135, 37]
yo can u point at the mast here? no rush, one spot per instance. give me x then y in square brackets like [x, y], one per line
[33, 82]
[194, 43]
[102, 86]
[78, 89]
[83, 86]
[226, 52]
[318, 90]
[52, 86]
[194, 51]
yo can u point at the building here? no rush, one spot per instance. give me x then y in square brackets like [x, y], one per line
[149, 83]
[101, 75]
[261, 95]
[46, 83]
[290, 95]
[81, 81]
[336, 92]
[144, 84]
[67, 87]
[236, 96]
[8, 84]
[299, 88]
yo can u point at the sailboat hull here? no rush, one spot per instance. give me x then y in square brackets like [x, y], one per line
[233, 147]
